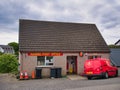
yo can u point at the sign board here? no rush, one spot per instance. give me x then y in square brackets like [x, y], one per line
[45, 54]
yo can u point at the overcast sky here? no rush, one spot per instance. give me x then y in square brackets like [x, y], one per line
[104, 13]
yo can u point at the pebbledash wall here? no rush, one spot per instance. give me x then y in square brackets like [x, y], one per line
[29, 63]
[67, 46]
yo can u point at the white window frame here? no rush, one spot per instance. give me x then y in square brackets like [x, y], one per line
[45, 59]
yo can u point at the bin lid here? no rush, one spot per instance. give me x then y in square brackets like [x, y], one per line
[55, 67]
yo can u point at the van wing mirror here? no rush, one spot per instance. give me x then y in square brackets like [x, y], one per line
[113, 65]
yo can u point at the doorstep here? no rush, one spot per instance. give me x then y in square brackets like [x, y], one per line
[76, 77]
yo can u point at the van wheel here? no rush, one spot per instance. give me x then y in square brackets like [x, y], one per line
[106, 75]
[116, 75]
[89, 78]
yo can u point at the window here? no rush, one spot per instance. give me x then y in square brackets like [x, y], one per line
[94, 56]
[44, 60]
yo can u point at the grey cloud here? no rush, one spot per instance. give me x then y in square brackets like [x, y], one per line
[104, 13]
[11, 11]
[110, 21]
[108, 15]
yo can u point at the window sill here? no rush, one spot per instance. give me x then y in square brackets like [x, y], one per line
[48, 66]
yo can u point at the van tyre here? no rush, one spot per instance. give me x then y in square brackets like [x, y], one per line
[106, 75]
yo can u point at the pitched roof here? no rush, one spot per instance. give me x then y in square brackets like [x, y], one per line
[115, 56]
[118, 42]
[6, 46]
[47, 36]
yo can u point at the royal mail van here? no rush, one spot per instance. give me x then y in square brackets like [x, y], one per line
[99, 67]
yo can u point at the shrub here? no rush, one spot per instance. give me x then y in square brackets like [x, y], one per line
[8, 63]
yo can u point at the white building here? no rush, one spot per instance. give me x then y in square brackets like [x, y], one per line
[6, 49]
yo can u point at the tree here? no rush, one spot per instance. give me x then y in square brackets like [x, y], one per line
[15, 46]
[114, 46]
[8, 63]
[1, 53]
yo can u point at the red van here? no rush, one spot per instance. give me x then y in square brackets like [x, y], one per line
[99, 67]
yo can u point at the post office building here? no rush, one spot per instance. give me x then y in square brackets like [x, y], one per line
[66, 45]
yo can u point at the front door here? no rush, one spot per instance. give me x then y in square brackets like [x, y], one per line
[71, 66]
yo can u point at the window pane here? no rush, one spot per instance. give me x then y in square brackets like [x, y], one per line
[49, 63]
[98, 56]
[92, 57]
[41, 60]
[95, 56]
[49, 60]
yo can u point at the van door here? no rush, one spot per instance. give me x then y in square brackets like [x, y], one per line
[111, 70]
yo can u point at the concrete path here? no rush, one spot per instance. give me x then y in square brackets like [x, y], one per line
[75, 77]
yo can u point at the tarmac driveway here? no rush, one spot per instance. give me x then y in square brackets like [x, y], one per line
[10, 83]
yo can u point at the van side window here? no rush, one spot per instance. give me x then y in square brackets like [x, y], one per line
[94, 56]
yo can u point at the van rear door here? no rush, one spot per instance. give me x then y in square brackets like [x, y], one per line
[91, 66]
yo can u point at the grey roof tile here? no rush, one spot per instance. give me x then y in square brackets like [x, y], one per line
[45, 36]
[115, 56]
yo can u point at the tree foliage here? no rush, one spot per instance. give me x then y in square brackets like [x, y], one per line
[15, 46]
[8, 63]
[1, 53]
[114, 46]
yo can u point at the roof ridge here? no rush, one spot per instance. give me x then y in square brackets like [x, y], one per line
[56, 22]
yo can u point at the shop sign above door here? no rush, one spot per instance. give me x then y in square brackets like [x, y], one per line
[45, 54]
